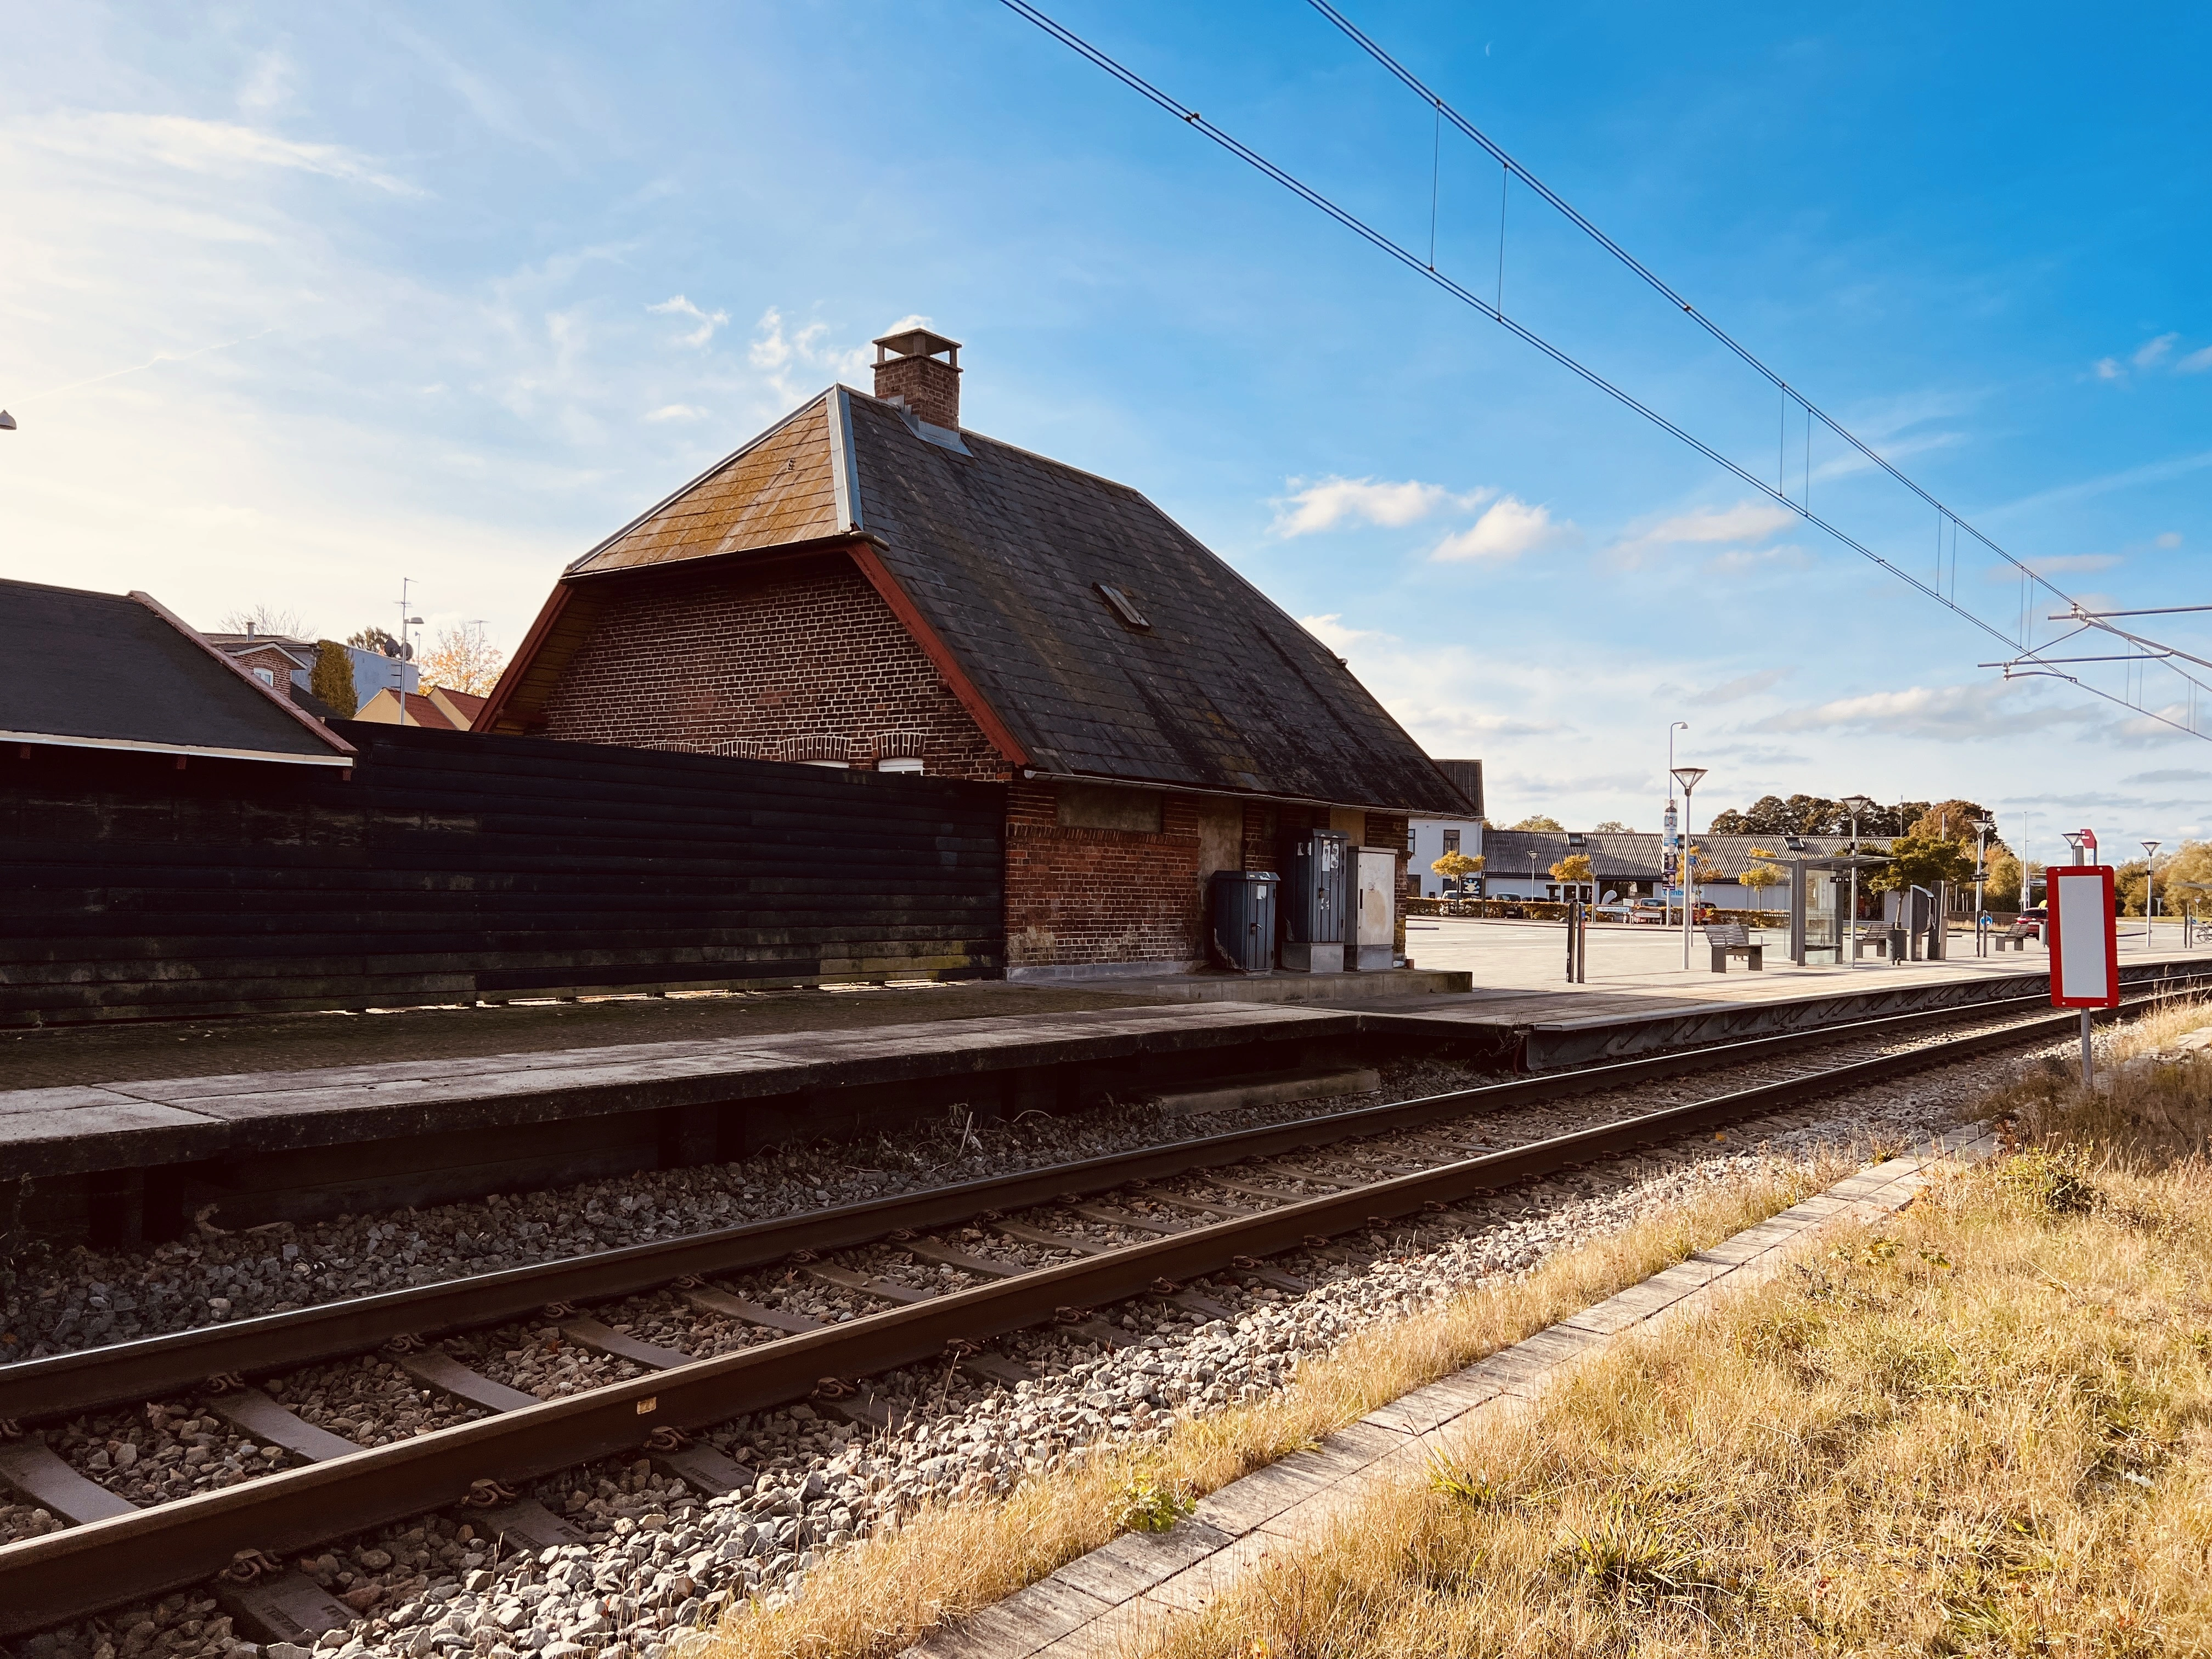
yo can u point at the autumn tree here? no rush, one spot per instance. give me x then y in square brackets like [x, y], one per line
[1576, 866]
[463, 660]
[1538, 821]
[1948, 820]
[372, 638]
[1457, 865]
[332, 679]
[1613, 826]
[2184, 879]
[1760, 877]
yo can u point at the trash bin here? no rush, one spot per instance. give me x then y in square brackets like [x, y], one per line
[1241, 915]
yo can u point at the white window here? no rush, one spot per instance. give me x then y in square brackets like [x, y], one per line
[840, 765]
[266, 676]
[900, 763]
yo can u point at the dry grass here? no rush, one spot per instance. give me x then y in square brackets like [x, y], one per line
[2152, 1101]
[875, 1598]
[1985, 1427]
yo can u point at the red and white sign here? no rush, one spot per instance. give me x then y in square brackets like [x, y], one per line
[2084, 956]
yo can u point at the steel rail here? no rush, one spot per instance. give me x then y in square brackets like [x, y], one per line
[45, 1581]
[125, 1373]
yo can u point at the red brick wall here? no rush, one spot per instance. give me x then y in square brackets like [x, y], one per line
[1090, 896]
[716, 661]
[276, 660]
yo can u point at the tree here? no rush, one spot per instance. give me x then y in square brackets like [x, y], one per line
[1457, 865]
[2184, 879]
[463, 660]
[1948, 820]
[2001, 890]
[1760, 877]
[265, 619]
[332, 679]
[372, 638]
[1921, 861]
[2131, 885]
[1613, 826]
[1538, 821]
[1576, 866]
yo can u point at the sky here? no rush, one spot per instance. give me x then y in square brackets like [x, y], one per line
[298, 302]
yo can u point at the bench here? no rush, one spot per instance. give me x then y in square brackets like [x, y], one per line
[1733, 940]
[1889, 941]
[2018, 935]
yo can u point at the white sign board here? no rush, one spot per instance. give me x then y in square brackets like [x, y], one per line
[2085, 965]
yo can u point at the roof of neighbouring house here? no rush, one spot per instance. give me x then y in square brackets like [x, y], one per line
[422, 710]
[163, 688]
[1108, 640]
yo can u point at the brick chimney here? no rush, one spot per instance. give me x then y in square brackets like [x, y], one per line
[920, 371]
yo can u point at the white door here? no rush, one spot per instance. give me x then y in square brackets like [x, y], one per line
[1377, 918]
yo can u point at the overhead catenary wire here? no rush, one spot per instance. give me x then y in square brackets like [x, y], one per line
[1495, 311]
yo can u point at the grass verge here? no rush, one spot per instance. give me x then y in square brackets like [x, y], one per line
[875, 1598]
[1984, 1427]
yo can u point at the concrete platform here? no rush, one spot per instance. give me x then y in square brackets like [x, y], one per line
[1215, 986]
[116, 1161]
[1636, 998]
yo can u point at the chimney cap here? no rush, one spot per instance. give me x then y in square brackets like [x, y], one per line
[916, 343]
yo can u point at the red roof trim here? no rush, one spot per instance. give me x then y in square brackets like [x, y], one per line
[872, 565]
[323, 733]
[488, 717]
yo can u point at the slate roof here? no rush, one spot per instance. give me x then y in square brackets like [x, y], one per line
[161, 687]
[1003, 553]
[1617, 856]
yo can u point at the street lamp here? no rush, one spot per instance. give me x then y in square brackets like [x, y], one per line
[2150, 887]
[1982, 828]
[1687, 776]
[2074, 841]
[1854, 805]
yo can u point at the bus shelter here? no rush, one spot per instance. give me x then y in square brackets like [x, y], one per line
[1820, 904]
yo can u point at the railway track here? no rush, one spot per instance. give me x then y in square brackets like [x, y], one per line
[115, 1553]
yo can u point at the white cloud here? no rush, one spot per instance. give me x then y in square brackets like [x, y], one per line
[2168, 539]
[1330, 630]
[2151, 351]
[1745, 685]
[268, 83]
[196, 145]
[1747, 521]
[1508, 529]
[1738, 560]
[778, 351]
[678, 412]
[677, 305]
[2196, 362]
[1327, 502]
[1955, 713]
[2108, 368]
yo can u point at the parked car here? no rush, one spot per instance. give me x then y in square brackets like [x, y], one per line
[1651, 912]
[2033, 919]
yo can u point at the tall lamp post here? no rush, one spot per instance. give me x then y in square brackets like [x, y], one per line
[2150, 887]
[1855, 805]
[1687, 776]
[1982, 828]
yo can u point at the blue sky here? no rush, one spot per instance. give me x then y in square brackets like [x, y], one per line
[298, 301]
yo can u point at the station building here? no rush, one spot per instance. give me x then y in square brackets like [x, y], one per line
[868, 584]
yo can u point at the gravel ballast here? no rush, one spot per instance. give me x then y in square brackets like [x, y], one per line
[658, 1559]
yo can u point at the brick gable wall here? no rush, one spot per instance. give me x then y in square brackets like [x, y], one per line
[807, 658]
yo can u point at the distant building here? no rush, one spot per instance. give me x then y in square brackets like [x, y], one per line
[868, 584]
[278, 658]
[1625, 866]
[439, 708]
[1428, 839]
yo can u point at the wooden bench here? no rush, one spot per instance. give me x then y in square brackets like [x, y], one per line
[2018, 935]
[1888, 941]
[1733, 940]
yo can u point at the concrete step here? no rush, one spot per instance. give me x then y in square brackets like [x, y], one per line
[1270, 1089]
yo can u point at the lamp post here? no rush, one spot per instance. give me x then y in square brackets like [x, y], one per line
[1855, 805]
[1982, 828]
[2074, 841]
[2150, 887]
[1687, 776]
[1531, 875]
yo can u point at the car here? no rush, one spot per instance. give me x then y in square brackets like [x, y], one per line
[2033, 918]
[1650, 912]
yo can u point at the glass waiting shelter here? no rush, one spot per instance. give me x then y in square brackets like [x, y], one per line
[1820, 900]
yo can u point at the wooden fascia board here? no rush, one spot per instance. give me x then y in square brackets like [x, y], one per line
[321, 733]
[872, 565]
[525, 658]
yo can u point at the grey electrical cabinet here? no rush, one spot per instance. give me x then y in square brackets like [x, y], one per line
[1314, 902]
[1241, 915]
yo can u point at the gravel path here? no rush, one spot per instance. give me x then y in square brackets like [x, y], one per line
[658, 1559]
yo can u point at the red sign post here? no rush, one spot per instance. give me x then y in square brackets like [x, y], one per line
[2084, 956]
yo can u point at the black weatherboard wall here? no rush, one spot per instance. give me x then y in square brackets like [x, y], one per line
[453, 866]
